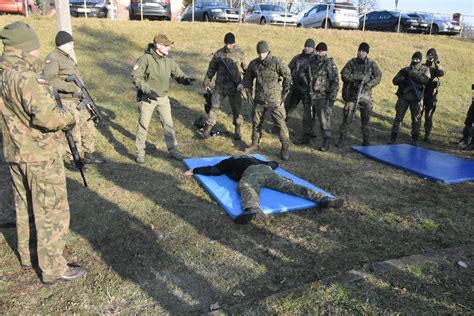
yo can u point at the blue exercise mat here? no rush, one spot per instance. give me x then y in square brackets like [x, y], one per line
[224, 190]
[426, 163]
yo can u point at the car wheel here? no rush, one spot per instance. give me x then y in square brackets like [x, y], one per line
[435, 29]
[263, 21]
[299, 25]
[328, 22]
[205, 17]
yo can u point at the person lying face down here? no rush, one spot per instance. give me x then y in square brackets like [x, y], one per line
[252, 174]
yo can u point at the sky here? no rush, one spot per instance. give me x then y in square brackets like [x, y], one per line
[465, 7]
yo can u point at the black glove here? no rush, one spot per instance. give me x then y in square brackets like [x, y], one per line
[69, 127]
[187, 81]
[152, 95]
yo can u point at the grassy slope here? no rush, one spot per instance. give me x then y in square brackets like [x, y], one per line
[153, 240]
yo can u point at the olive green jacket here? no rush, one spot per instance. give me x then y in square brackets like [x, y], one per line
[31, 120]
[153, 72]
[57, 67]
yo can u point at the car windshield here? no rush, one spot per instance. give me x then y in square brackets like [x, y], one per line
[346, 6]
[397, 14]
[214, 4]
[269, 7]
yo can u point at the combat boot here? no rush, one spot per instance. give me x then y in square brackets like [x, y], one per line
[284, 153]
[340, 142]
[325, 145]
[237, 133]
[72, 273]
[427, 138]
[393, 138]
[304, 140]
[470, 146]
[207, 131]
[176, 154]
[247, 215]
[414, 139]
[328, 202]
[365, 140]
[252, 148]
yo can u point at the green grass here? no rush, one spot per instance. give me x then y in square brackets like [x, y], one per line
[154, 241]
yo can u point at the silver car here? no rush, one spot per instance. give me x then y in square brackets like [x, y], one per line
[340, 15]
[269, 14]
[441, 24]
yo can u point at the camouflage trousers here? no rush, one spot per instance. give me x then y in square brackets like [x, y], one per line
[7, 208]
[40, 195]
[322, 109]
[401, 108]
[365, 114]
[235, 100]
[84, 133]
[145, 112]
[429, 107]
[258, 176]
[278, 115]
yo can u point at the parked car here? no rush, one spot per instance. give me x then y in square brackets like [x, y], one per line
[17, 7]
[269, 14]
[211, 12]
[93, 8]
[340, 15]
[152, 9]
[441, 25]
[388, 21]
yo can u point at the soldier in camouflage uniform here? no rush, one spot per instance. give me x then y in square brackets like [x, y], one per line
[411, 82]
[151, 75]
[467, 140]
[58, 65]
[268, 70]
[359, 71]
[228, 64]
[252, 175]
[33, 148]
[323, 90]
[431, 91]
[7, 209]
[299, 90]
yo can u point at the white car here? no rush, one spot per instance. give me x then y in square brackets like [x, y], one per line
[269, 14]
[340, 15]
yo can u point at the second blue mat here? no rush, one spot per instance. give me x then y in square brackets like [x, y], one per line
[426, 163]
[224, 190]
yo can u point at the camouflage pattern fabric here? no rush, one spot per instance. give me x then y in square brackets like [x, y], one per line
[278, 117]
[430, 95]
[44, 198]
[353, 73]
[57, 67]
[401, 108]
[325, 77]
[236, 61]
[31, 124]
[323, 111]
[235, 101]
[258, 176]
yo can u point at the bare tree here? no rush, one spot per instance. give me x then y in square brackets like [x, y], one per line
[366, 6]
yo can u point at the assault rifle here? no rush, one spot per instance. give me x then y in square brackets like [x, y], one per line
[412, 87]
[247, 96]
[70, 141]
[87, 101]
[356, 107]
[311, 89]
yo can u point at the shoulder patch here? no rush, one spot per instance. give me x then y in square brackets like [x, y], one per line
[47, 61]
[135, 67]
[42, 81]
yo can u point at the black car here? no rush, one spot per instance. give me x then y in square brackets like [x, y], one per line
[152, 9]
[93, 8]
[211, 12]
[388, 21]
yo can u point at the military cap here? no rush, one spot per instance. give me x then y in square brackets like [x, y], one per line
[417, 55]
[262, 47]
[162, 39]
[322, 47]
[20, 35]
[229, 38]
[364, 47]
[432, 52]
[63, 38]
[310, 43]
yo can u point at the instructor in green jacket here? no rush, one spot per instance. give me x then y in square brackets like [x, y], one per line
[151, 75]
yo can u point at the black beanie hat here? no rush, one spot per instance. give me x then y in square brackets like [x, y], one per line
[417, 55]
[229, 38]
[20, 35]
[431, 52]
[322, 47]
[364, 47]
[262, 47]
[63, 38]
[310, 43]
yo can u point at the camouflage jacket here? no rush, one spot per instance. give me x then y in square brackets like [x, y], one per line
[31, 120]
[268, 73]
[436, 71]
[411, 81]
[153, 72]
[299, 70]
[236, 62]
[352, 74]
[325, 77]
[57, 67]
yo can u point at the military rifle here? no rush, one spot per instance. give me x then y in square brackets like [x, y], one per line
[412, 87]
[311, 89]
[87, 101]
[70, 141]
[247, 96]
[356, 107]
